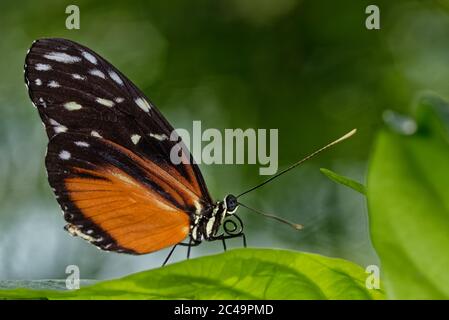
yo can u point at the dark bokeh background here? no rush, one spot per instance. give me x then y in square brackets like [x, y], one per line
[309, 68]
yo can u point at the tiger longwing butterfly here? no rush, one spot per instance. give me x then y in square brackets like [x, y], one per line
[108, 158]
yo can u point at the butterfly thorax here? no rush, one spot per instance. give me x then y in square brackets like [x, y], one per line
[206, 225]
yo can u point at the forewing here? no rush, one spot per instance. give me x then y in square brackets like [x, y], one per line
[75, 90]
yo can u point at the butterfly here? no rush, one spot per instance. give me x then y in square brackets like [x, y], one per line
[108, 158]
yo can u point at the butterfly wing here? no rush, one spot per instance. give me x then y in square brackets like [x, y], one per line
[82, 97]
[114, 198]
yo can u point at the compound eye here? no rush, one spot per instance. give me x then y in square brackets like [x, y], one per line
[231, 203]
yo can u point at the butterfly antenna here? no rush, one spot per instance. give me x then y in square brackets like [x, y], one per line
[346, 136]
[271, 216]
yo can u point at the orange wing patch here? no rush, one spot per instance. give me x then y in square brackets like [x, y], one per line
[136, 217]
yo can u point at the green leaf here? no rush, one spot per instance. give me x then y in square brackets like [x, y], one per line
[432, 114]
[344, 181]
[236, 274]
[408, 200]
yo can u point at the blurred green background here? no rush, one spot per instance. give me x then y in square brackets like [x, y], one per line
[309, 68]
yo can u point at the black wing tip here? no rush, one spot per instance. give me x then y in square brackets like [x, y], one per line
[50, 40]
[49, 43]
[40, 40]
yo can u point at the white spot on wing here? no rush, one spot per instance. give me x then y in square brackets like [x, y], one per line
[119, 100]
[42, 67]
[95, 134]
[135, 138]
[143, 104]
[57, 126]
[53, 84]
[97, 73]
[64, 155]
[42, 102]
[105, 102]
[114, 76]
[62, 57]
[59, 129]
[72, 106]
[91, 58]
[75, 231]
[78, 77]
[38, 82]
[82, 144]
[160, 137]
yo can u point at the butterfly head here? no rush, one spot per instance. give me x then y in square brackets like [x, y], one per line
[231, 204]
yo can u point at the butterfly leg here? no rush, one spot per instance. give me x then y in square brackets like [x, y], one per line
[193, 244]
[169, 255]
[241, 235]
[224, 238]
[244, 240]
[188, 249]
[190, 244]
